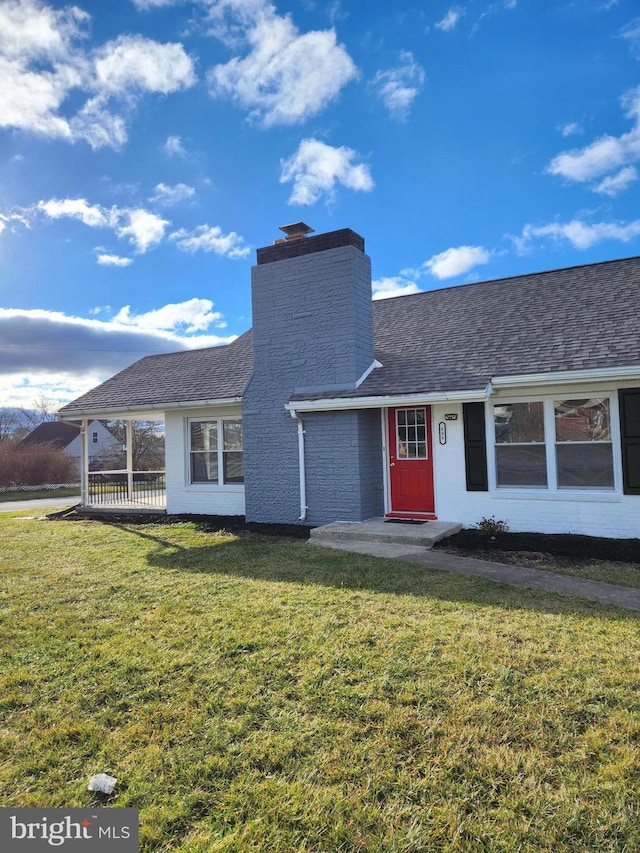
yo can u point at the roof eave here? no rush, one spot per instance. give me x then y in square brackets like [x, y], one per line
[568, 377]
[150, 409]
[384, 400]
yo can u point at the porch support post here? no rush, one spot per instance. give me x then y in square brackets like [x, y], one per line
[129, 426]
[84, 463]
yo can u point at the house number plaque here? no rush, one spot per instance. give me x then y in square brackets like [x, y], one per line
[442, 432]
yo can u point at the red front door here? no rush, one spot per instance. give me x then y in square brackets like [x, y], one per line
[410, 461]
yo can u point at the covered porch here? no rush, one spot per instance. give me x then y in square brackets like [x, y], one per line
[131, 477]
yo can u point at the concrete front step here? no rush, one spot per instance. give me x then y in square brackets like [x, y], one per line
[383, 531]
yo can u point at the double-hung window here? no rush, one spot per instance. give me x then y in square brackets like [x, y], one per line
[554, 444]
[584, 454]
[215, 451]
[521, 456]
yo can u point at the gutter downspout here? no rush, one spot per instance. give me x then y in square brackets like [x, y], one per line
[301, 466]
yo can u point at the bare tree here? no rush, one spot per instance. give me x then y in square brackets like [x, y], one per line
[41, 411]
[148, 443]
[9, 423]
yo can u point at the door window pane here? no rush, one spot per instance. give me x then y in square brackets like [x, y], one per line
[411, 434]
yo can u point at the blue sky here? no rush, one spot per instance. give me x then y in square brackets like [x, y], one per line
[148, 147]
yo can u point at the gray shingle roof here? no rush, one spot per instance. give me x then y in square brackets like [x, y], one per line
[54, 433]
[187, 376]
[453, 339]
[458, 338]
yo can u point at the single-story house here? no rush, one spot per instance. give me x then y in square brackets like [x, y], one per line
[67, 437]
[516, 398]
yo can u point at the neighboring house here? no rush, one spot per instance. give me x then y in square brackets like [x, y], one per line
[516, 398]
[67, 436]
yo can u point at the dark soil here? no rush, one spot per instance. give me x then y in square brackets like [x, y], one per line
[512, 547]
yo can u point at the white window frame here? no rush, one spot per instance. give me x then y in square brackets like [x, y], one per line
[219, 420]
[552, 491]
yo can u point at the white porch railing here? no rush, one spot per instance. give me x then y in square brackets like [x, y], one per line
[126, 489]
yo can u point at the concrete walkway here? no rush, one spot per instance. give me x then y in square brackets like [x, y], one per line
[604, 593]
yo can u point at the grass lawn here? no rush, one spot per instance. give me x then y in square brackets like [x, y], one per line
[256, 694]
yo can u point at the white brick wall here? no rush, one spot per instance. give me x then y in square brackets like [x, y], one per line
[200, 499]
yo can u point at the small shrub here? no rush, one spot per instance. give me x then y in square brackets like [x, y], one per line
[492, 527]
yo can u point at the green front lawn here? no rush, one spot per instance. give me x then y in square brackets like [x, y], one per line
[256, 694]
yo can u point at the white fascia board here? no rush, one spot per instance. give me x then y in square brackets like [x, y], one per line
[123, 412]
[341, 403]
[566, 377]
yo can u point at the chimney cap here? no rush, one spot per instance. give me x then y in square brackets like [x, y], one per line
[296, 230]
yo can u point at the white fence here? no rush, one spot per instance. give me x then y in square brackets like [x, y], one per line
[7, 489]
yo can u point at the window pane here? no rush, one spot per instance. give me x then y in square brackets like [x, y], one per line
[519, 422]
[233, 467]
[581, 465]
[582, 420]
[521, 466]
[204, 467]
[232, 435]
[204, 435]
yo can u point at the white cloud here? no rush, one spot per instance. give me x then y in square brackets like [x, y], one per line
[140, 227]
[151, 4]
[174, 147]
[208, 238]
[456, 261]
[570, 128]
[7, 218]
[136, 63]
[29, 100]
[113, 261]
[316, 168]
[44, 62]
[92, 215]
[390, 286]
[606, 155]
[450, 20]
[30, 29]
[144, 230]
[614, 184]
[287, 77]
[631, 33]
[580, 234]
[398, 87]
[168, 195]
[195, 315]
